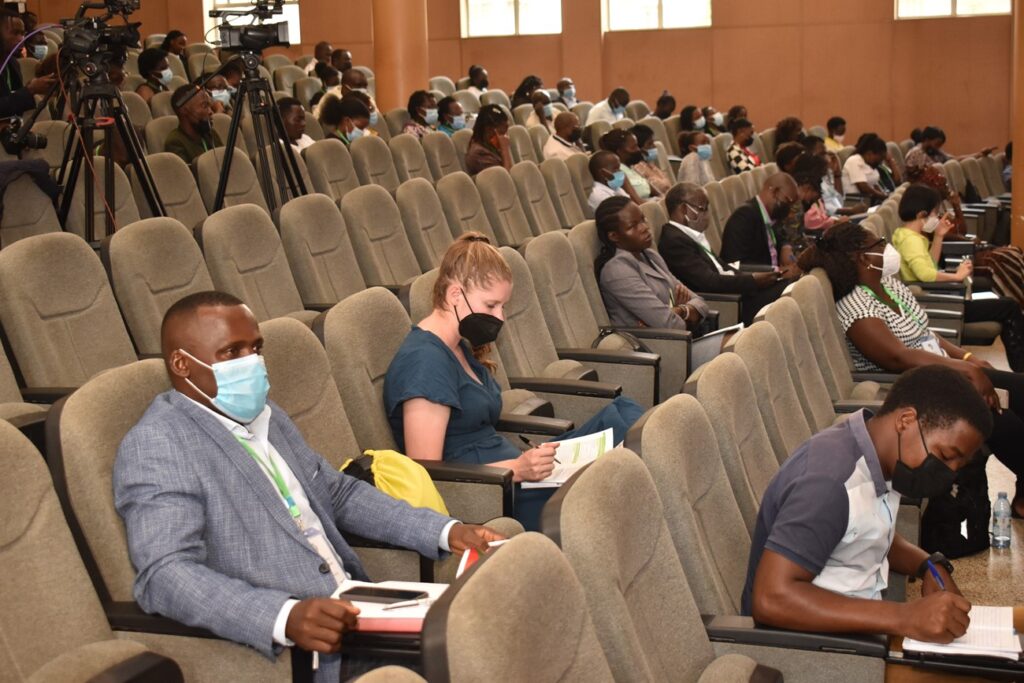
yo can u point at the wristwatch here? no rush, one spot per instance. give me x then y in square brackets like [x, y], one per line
[939, 560]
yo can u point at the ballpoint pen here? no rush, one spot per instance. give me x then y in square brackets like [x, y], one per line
[534, 445]
[936, 576]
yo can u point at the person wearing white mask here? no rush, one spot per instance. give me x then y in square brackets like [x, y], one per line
[221, 96]
[836, 127]
[715, 121]
[918, 261]
[154, 67]
[691, 118]
[610, 110]
[450, 116]
[567, 92]
[543, 111]
[346, 118]
[422, 114]
[695, 148]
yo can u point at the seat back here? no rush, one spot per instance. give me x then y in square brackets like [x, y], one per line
[678, 446]
[525, 345]
[279, 182]
[313, 128]
[897, 156]
[845, 153]
[243, 185]
[767, 137]
[275, 62]
[442, 83]
[246, 258]
[829, 348]
[719, 155]
[562, 192]
[660, 132]
[375, 225]
[160, 104]
[582, 181]
[27, 211]
[623, 555]
[719, 205]
[286, 76]
[567, 310]
[57, 134]
[330, 168]
[955, 175]
[461, 140]
[520, 145]
[461, 203]
[637, 109]
[496, 96]
[672, 130]
[534, 198]
[993, 170]
[586, 246]
[410, 160]
[624, 124]
[200, 63]
[972, 171]
[424, 220]
[582, 111]
[306, 88]
[124, 210]
[469, 101]
[64, 330]
[520, 113]
[654, 214]
[396, 120]
[724, 389]
[177, 186]
[482, 612]
[441, 155]
[373, 163]
[539, 136]
[222, 126]
[593, 132]
[736, 191]
[319, 250]
[501, 203]
[152, 264]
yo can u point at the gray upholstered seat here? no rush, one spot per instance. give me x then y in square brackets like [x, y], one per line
[243, 185]
[409, 158]
[32, 213]
[425, 222]
[520, 145]
[562, 192]
[582, 181]
[124, 209]
[534, 198]
[441, 155]
[461, 203]
[501, 203]
[177, 187]
[373, 163]
[286, 76]
[330, 168]
[375, 226]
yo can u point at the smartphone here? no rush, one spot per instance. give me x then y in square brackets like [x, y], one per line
[386, 596]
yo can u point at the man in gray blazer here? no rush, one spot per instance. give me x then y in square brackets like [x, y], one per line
[234, 524]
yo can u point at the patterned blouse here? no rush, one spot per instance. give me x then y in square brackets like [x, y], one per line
[742, 159]
[417, 129]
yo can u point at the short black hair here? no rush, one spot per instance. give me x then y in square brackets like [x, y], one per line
[809, 169]
[834, 123]
[418, 99]
[1008, 151]
[286, 103]
[171, 36]
[488, 118]
[734, 110]
[941, 396]
[787, 153]
[686, 117]
[933, 133]
[643, 133]
[474, 70]
[918, 198]
[915, 135]
[333, 110]
[148, 59]
[835, 252]
[738, 124]
[444, 105]
[619, 94]
[812, 141]
[232, 67]
[870, 142]
[666, 99]
[614, 140]
[686, 138]
[179, 96]
[193, 302]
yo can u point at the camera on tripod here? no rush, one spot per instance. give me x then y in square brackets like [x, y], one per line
[14, 143]
[255, 37]
[90, 43]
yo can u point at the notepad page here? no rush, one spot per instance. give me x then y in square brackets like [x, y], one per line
[990, 634]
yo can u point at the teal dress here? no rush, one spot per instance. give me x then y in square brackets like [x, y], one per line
[425, 367]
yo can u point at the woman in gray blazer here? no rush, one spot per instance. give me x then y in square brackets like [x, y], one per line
[637, 287]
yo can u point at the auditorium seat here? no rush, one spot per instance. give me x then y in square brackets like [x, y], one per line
[278, 183]
[663, 162]
[62, 331]
[275, 62]
[462, 206]
[330, 168]
[501, 203]
[373, 163]
[57, 134]
[539, 136]
[319, 250]
[672, 130]
[396, 120]
[631, 577]
[286, 76]
[897, 156]
[31, 214]
[424, 221]
[520, 113]
[534, 198]
[496, 96]
[637, 109]
[177, 68]
[124, 210]
[469, 101]
[306, 88]
[660, 134]
[152, 264]
[409, 159]
[246, 258]
[767, 138]
[562, 192]
[736, 192]
[750, 182]
[440, 153]
[582, 181]
[719, 155]
[593, 132]
[27, 68]
[243, 185]
[624, 124]
[845, 153]
[53, 627]
[582, 111]
[442, 83]
[382, 248]
[461, 140]
[486, 611]
[993, 170]
[222, 126]
[718, 204]
[521, 145]
[654, 214]
[160, 103]
[177, 188]
[200, 62]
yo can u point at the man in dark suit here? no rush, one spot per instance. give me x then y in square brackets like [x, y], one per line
[688, 254]
[753, 235]
[15, 97]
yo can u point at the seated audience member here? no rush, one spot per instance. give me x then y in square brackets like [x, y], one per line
[836, 127]
[648, 167]
[928, 150]
[623, 144]
[341, 59]
[525, 90]
[346, 119]
[422, 114]
[787, 155]
[1008, 166]
[566, 140]
[220, 95]
[888, 331]
[294, 117]
[611, 109]
[741, 157]
[354, 80]
[567, 92]
[715, 121]
[637, 287]
[543, 111]
[478, 80]
[752, 234]
[736, 111]
[35, 43]
[689, 257]
[214, 473]
[691, 118]
[194, 134]
[232, 73]
[695, 148]
[440, 393]
[665, 106]
[330, 78]
[321, 55]
[832, 195]
[915, 136]
[371, 107]
[789, 129]
[860, 172]
[489, 145]
[609, 178]
[153, 66]
[809, 173]
[450, 116]
[826, 539]
[174, 43]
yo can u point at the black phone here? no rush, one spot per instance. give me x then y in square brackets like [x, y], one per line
[386, 596]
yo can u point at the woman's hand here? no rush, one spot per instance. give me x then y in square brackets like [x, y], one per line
[944, 227]
[535, 464]
[964, 270]
[974, 360]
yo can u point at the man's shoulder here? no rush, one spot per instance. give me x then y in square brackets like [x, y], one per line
[745, 213]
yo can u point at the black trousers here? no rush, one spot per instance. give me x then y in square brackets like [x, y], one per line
[1007, 439]
[1006, 312]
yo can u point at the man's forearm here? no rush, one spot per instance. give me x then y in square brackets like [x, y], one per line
[905, 557]
[802, 606]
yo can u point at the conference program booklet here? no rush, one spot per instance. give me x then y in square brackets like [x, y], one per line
[573, 454]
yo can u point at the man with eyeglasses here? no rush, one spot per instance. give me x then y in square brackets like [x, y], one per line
[752, 234]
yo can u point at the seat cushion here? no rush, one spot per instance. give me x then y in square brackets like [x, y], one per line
[10, 411]
[306, 317]
[735, 668]
[88, 662]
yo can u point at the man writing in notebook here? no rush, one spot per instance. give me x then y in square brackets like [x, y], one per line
[826, 536]
[234, 523]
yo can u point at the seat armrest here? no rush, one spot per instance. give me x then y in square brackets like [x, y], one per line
[959, 248]
[33, 426]
[880, 377]
[720, 296]
[578, 387]
[532, 424]
[45, 394]
[755, 268]
[146, 667]
[946, 287]
[475, 474]
[610, 356]
[319, 308]
[666, 333]
[940, 298]
[743, 631]
[852, 406]
[128, 616]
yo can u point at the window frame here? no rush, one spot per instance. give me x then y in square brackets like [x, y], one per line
[607, 19]
[953, 13]
[464, 12]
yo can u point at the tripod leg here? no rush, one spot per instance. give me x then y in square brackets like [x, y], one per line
[137, 157]
[229, 150]
[266, 176]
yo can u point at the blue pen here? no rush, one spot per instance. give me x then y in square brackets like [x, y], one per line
[935, 575]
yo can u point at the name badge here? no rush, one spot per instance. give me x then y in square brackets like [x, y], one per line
[930, 343]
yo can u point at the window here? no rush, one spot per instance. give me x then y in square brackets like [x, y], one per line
[633, 15]
[290, 15]
[510, 17]
[916, 9]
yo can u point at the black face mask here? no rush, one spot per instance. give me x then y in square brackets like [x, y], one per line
[479, 329]
[635, 158]
[576, 135]
[485, 83]
[929, 479]
[204, 127]
[780, 211]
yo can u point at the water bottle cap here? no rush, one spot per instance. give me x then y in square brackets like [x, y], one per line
[1002, 494]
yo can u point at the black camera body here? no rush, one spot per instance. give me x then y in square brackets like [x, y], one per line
[254, 37]
[13, 143]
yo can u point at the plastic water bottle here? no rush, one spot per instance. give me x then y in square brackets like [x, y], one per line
[1001, 522]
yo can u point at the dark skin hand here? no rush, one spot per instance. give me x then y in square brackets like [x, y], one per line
[317, 624]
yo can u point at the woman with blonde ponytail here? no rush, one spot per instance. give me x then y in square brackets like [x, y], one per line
[442, 400]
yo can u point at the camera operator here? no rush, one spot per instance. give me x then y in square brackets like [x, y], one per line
[15, 97]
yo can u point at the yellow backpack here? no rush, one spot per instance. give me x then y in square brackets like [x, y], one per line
[403, 478]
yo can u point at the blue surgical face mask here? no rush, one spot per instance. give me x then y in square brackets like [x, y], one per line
[617, 180]
[430, 116]
[38, 51]
[165, 76]
[704, 152]
[618, 111]
[651, 154]
[570, 92]
[354, 134]
[242, 386]
[373, 118]
[549, 110]
[222, 96]
[459, 122]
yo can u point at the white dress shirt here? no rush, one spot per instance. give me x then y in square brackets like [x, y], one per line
[701, 239]
[602, 111]
[602, 192]
[559, 148]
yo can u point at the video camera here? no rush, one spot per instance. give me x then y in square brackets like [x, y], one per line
[90, 43]
[14, 140]
[255, 37]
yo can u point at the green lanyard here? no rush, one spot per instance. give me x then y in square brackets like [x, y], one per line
[275, 474]
[903, 309]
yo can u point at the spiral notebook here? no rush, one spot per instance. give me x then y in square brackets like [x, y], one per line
[990, 634]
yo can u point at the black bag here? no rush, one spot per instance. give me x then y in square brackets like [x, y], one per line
[967, 500]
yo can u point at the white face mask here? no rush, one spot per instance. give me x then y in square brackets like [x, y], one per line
[930, 224]
[890, 261]
[839, 138]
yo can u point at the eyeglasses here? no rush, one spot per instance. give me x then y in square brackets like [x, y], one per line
[696, 207]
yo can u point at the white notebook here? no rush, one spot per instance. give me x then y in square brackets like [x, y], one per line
[573, 454]
[990, 634]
